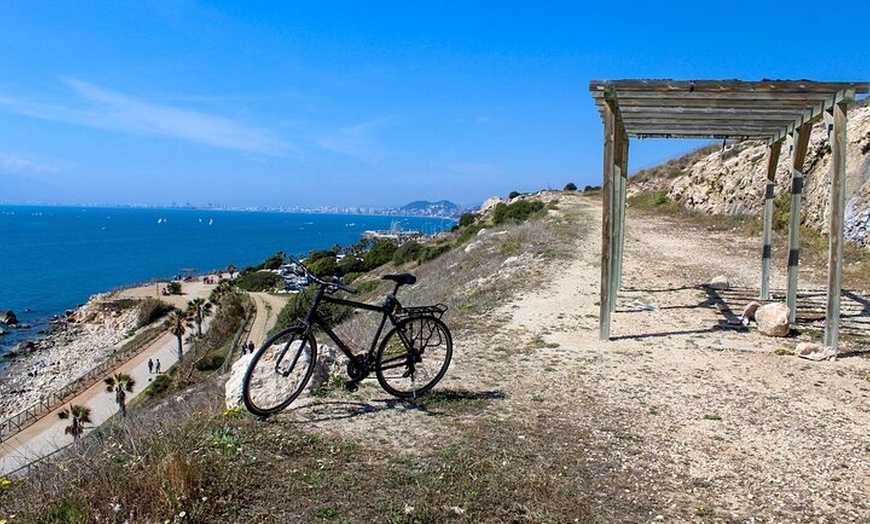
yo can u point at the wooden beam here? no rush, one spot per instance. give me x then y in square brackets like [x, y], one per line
[725, 86]
[798, 105]
[607, 202]
[837, 206]
[815, 113]
[772, 160]
[794, 233]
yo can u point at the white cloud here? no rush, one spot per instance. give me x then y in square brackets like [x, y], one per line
[15, 164]
[106, 109]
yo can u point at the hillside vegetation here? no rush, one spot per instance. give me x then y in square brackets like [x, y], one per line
[182, 457]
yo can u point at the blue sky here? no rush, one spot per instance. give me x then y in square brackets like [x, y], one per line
[362, 103]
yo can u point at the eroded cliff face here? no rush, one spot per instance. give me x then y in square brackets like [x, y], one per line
[731, 180]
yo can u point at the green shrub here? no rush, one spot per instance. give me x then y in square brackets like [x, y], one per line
[381, 253]
[431, 252]
[649, 199]
[467, 233]
[160, 384]
[259, 281]
[467, 219]
[570, 186]
[274, 262]
[781, 212]
[351, 264]
[519, 211]
[151, 310]
[323, 266]
[174, 287]
[407, 252]
[513, 194]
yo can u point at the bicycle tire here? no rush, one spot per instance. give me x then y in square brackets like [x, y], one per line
[414, 356]
[268, 387]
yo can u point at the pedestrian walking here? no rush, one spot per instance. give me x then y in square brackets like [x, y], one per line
[157, 366]
[250, 346]
[150, 366]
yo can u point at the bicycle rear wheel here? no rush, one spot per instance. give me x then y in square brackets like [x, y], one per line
[414, 356]
[279, 371]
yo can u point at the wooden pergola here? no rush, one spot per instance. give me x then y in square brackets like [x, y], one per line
[775, 111]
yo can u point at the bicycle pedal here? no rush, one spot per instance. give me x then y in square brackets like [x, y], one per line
[351, 386]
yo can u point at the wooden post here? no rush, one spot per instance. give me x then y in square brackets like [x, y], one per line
[794, 233]
[837, 206]
[607, 204]
[622, 159]
[617, 226]
[772, 160]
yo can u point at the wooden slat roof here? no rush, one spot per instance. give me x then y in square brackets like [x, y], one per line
[768, 109]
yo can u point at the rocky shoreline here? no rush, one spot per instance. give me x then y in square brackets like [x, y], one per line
[77, 343]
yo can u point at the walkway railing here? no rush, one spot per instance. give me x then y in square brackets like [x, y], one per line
[27, 417]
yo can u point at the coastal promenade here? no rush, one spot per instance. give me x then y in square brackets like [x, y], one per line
[46, 435]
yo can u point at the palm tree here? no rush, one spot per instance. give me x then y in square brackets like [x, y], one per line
[199, 308]
[80, 415]
[222, 289]
[177, 323]
[120, 385]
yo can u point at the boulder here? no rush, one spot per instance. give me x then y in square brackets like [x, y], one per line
[233, 387]
[813, 351]
[719, 282]
[9, 318]
[773, 319]
[749, 312]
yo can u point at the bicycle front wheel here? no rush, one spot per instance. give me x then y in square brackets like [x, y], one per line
[414, 356]
[279, 371]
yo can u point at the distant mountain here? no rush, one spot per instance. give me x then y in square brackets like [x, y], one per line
[442, 208]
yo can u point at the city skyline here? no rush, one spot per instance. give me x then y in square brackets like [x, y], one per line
[359, 105]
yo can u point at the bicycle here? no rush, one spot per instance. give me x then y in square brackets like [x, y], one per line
[408, 361]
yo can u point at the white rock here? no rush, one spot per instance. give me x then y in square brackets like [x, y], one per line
[773, 319]
[720, 282]
[813, 351]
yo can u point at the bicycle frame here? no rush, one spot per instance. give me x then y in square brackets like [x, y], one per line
[313, 318]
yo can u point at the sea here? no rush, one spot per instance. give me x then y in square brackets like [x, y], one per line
[53, 259]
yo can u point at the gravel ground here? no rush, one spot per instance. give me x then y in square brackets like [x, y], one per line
[681, 419]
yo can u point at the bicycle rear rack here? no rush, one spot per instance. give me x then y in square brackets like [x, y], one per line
[421, 311]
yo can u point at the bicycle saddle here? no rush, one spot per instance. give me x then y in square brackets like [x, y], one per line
[401, 278]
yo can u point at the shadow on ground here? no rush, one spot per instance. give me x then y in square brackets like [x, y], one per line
[444, 402]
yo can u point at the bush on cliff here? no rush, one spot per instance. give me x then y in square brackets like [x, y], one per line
[517, 212]
[259, 281]
[151, 310]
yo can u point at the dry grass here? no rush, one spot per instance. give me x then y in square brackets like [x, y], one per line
[183, 459]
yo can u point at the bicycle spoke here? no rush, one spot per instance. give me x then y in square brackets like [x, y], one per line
[278, 372]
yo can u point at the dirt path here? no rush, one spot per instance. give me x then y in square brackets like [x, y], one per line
[268, 307]
[693, 420]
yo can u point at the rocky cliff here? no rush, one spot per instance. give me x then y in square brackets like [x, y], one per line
[731, 179]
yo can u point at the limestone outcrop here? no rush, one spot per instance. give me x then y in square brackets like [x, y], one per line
[731, 179]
